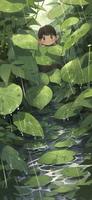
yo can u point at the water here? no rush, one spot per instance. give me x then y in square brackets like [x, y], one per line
[57, 181]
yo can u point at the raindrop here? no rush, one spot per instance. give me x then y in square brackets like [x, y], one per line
[18, 108]
[22, 134]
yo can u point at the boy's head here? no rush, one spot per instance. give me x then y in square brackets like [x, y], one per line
[47, 35]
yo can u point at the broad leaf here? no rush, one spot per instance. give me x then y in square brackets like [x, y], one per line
[28, 124]
[57, 11]
[8, 6]
[78, 34]
[72, 72]
[66, 111]
[38, 181]
[55, 50]
[12, 158]
[81, 100]
[69, 22]
[44, 60]
[73, 172]
[5, 71]
[25, 41]
[76, 2]
[57, 157]
[39, 97]
[55, 76]
[65, 143]
[10, 98]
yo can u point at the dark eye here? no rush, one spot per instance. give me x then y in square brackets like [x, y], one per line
[43, 37]
[51, 36]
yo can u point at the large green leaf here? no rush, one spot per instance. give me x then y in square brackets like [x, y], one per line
[76, 2]
[26, 68]
[69, 22]
[44, 78]
[65, 143]
[73, 172]
[7, 6]
[12, 158]
[39, 97]
[5, 71]
[10, 98]
[28, 124]
[44, 60]
[66, 111]
[64, 91]
[38, 181]
[72, 72]
[25, 41]
[55, 50]
[78, 34]
[57, 157]
[57, 11]
[65, 188]
[81, 100]
[55, 76]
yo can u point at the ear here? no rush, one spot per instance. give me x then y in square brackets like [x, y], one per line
[57, 37]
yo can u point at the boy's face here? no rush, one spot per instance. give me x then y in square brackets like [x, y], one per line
[48, 40]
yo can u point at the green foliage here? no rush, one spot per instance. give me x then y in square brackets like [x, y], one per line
[76, 2]
[67, 110]
[31, 100]
[8, 6]
[25, 41]
[28, 124]
[38, 181]
[10, 98]
[39, 97]
[57, 157]
[12, 158]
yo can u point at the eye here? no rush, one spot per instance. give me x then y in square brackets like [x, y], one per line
[51, 36]
[43, 37]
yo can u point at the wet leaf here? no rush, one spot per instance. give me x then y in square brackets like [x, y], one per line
[65, 143]
[55, 77]
[39, 97]
[69, 22]
[10, 98]
[25, 41]
[73, 172]
[55, 50]
[75, 36]
[76, 2]
[66, 111]
[44, 79]
[72, 72]
[38, 181]
[43, 60]
[82, 99]
[57, 157]
[57, 11]
[28, 124]
[65, 188]
[5, 71]
[12, 158]
[8, 6]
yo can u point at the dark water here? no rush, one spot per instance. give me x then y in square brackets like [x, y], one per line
[57, 181]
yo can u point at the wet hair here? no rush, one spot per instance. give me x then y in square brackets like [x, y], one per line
[46, 30]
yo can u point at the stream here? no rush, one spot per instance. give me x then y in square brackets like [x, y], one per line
[60, 165]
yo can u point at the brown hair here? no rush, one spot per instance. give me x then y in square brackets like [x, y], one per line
[46, 30]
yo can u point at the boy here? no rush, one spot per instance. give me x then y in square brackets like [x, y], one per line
[47, 36]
